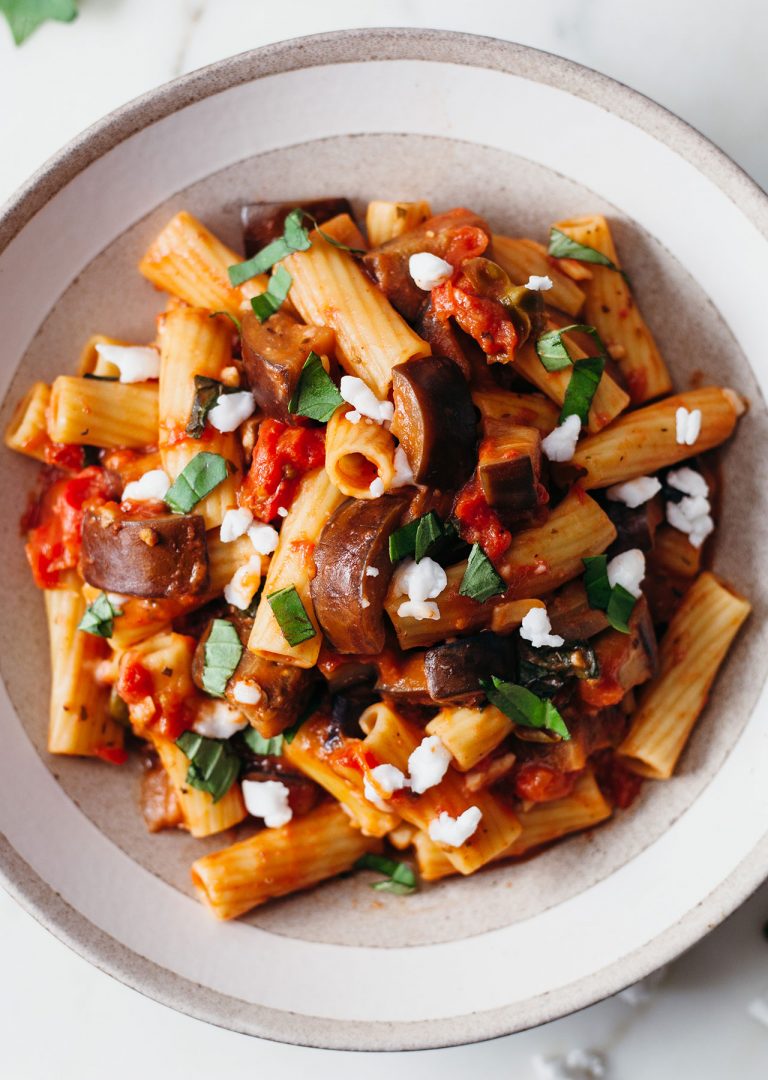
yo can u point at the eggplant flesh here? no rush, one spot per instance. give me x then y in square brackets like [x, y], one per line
[443, 337]
[571, 616]
[164, 556]
[353, 571]
[435, 421]
[455, 670]
[509, 466]
[263, 222]
[274, 352]
[635, 526]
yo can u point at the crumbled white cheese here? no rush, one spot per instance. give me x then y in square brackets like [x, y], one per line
[365, 603]
[691, 516]
[371, 571]
[217, 720]
[247, 693]
[377, 487]
[403, 473]
[420, 582]
[688, 481]
[234, 524]
[153, 485]
[539, 284]
[428, 271]
[231, 410]
[634, 493]
[537, 629]
[428, 763]
[418, 609]
[136, 363]
[687, 426]
[364, 401]
[573, 1065]
[373, 796]
[560, 444]
[628, 570]
[383, 781]
[264, 538]
[454, 832]
[268, 799]
[282, 512]
[245, 581]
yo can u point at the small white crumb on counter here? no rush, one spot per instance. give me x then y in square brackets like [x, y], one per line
[245, 581]
[573, 1065]
[268, 799]
[234, 524]
[687, 426]
[560, 444]
[264, 538]
[537, 629]
[538, 283]
[217, 720]
[152, 486]
[453, 832]
[692, 515]
[421, 582]
[428, 764]
[364, 402]
[627, 570]
[403, 474]
[428, 271]
[231, 410]
[136, 363]
[247, 693]
[634, 493]
[377, 487]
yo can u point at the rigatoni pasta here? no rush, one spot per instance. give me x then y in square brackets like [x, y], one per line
[371, 548]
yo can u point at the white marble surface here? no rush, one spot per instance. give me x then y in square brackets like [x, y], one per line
[705, 60]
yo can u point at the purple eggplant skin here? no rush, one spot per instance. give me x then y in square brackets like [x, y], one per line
[635, 526]
[455, 670]
[443, 336]
[263, 222]
[349, 601]
[435, 421]
[164, 556]
[509, 466]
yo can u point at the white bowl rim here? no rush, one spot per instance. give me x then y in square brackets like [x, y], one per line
[349, 46]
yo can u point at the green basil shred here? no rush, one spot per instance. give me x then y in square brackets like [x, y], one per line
[222, 652]
[616, 601]
[259, 745]
[552, 351]
[213, 764]
[98, 618]
[197, 479]
[582, 387]
[400, 878]
[295, 238]
[480, 581]
[291, 615]
[315, 395]
[562, 246]
[267, 303]
[524, 707]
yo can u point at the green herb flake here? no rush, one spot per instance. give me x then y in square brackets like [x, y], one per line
[430, 530]
[232, 318]
[196, 480]
[267, 303]
[213, 764]
[402, 541]
[552, 351]
[400, 878]
[207, 392]
[24, 16]
[525, 707]
[584, 381]
[561, 246]
[316, 395]
[259, 745]
[222, 652]
[480, 581]
[422, 537]
[295, 238]
[617, 603]
[330, 239]
[291, 615]
[98, 618]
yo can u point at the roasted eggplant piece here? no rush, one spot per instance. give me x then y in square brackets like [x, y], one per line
[303, 793]
[624, 660]
[265, 221]
[402, 676]
[444, 338]
[456, 669]
[545, 671]
[509, 466]
[163, 556]
[635, 526]
[571, 616]
[354, 571]
[274, 353]
[347, 708]
[435, 421]
[523, 307]
[285, 689]
[388, 264]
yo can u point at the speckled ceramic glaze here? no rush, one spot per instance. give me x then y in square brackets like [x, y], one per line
[523, 138]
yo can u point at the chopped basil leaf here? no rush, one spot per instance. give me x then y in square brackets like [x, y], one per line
[617, 603]
[402, 542]
[430, 530]
[291, 615]
[213, 764]
[256, 742]
[584, 381]
[561, 246]
[267, 303]
[425, 536]
[315, 395]
[233, 319]
[196, 480]
[295, 238]
[98, 618]
[101, 378]
[552, 351]
[222, 653]
[330, 239]
[400, 877]
[480, 581]
[524, 707]
[207, 393]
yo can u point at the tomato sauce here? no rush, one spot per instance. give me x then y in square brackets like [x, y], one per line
[479, 523]
[542, 783]
[68, 456]
[483, 319]
[619, 784]
[280, 458]
[172, 715]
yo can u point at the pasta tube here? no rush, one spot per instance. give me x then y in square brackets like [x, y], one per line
[358, 454]
[105, 414]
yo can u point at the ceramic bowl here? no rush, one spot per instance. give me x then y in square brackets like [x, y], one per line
[524, 138]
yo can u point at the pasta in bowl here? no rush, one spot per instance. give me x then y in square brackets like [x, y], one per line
[391, 542]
